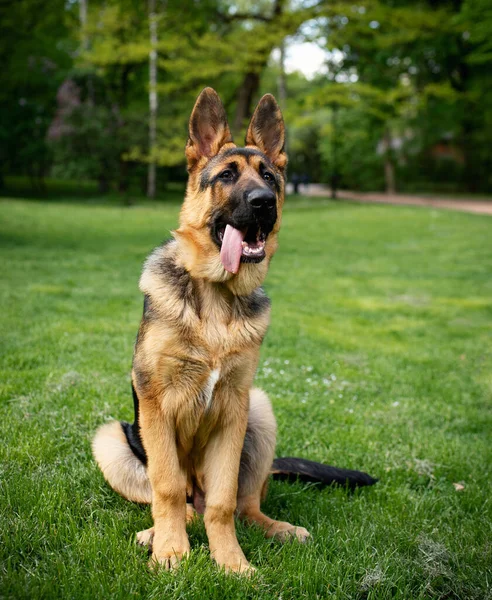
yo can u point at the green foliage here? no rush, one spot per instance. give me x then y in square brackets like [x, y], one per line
[33, 66]
[414, 75]
[411, 77]
[476, 22]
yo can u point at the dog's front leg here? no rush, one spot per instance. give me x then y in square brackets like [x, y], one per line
[168, 480]
[221, 469]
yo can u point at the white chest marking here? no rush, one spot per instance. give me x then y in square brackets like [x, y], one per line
[208, 390]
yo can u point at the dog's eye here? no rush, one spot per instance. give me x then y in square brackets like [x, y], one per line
[268, 176]
[226, 175]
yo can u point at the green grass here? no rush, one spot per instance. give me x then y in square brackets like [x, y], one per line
[379, 357]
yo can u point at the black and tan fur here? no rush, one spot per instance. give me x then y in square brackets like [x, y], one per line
[203, 435]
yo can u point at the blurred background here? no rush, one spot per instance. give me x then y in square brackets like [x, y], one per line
[378, 95]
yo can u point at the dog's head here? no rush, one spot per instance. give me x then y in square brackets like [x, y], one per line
[231, 214]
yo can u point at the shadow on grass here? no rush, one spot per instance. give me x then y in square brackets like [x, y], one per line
[86, 192]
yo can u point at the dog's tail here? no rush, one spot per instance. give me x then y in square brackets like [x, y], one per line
[117, 454]
[310, 471]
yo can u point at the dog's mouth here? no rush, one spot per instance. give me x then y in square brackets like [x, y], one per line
[240, 245]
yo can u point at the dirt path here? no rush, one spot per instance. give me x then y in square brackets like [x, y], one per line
[483, 207]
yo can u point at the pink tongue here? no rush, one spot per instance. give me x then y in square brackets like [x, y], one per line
[230, 253]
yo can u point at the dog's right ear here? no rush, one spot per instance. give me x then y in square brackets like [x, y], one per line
[267, 131]
[208, 128]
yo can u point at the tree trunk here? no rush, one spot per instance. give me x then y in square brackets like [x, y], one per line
[103, 184]
[123, 176]
[282, 85]
[251, 80]
[471, 171]
[151, 176]
[389, 167]
[83, 21]
[246, 92]
[334, 151]
[83, 7]
[282, 82]
[389, 176]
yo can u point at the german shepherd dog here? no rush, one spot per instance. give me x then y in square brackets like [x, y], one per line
[203, 438]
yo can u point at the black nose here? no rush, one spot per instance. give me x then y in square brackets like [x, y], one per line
[261, 198]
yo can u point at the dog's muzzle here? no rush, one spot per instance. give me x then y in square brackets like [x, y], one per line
[242, 235]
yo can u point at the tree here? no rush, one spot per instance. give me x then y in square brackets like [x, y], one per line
[33, 67]
[153, 102]
[407, 82]
[417, 55]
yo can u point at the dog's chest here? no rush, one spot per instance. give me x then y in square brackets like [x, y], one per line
[230, 347]
[223, 333]
[208, 390]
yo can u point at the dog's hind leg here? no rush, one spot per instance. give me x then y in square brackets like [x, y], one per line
[256, 462]
[120, 466]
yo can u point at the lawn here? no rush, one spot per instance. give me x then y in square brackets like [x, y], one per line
[379, 357]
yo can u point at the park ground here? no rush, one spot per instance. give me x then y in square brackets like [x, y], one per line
[379, 357]
[463, 202]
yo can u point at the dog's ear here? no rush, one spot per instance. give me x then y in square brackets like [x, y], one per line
[267, 131]
[208, 128]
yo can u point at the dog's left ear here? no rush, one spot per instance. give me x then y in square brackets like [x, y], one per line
[267, 130]
[208, 128]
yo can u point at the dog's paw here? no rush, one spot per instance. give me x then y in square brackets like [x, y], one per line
[243, 569]
[294, 533]
[168, 560]
[169, 552]
[233, 562]
[285, 532]
[145, 538]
